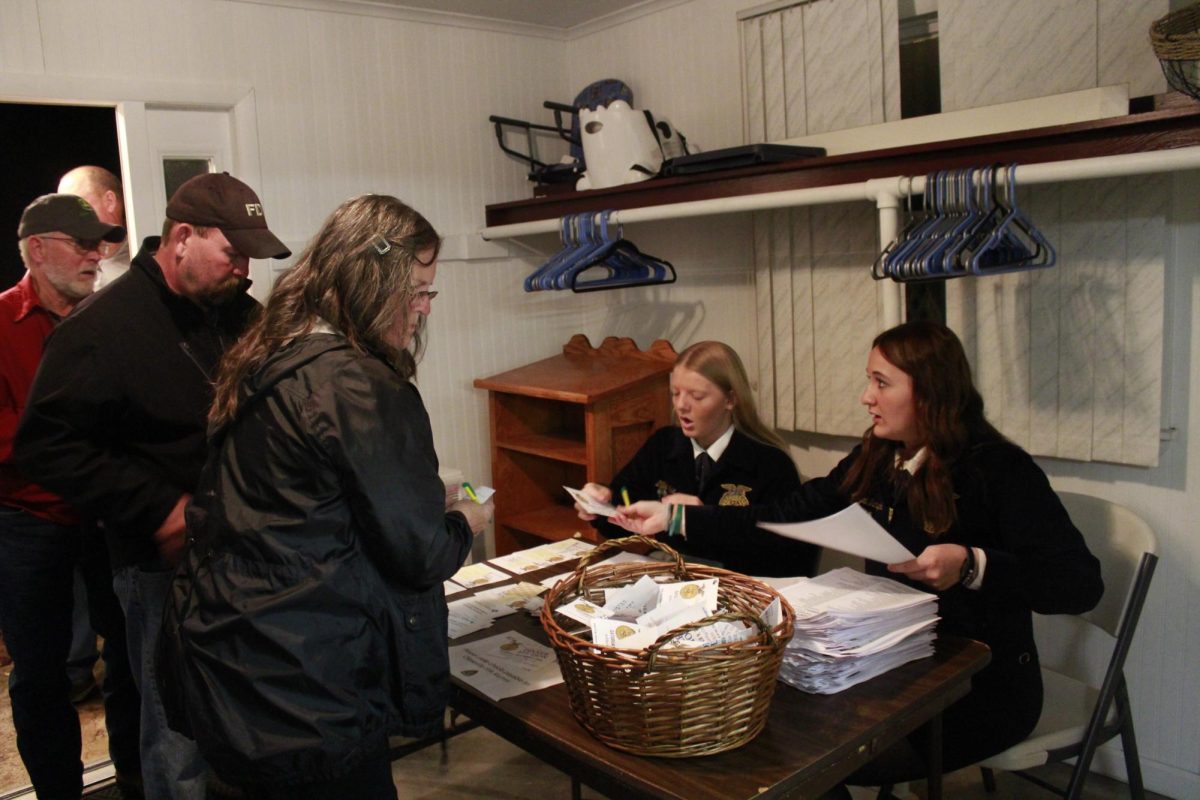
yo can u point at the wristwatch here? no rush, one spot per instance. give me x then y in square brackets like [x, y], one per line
[967, 574]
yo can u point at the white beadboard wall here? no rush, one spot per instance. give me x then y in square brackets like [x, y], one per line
[348, 103]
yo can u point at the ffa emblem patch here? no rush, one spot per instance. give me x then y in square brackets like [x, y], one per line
[735, 495]
[664, 489]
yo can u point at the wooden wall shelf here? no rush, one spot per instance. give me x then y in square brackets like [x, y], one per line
[1162, 129]
[564, 421]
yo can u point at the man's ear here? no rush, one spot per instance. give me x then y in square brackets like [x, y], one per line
[180, 235]
[111, 203]
[36, 249]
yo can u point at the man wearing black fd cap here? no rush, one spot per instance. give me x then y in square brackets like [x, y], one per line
[116, 417]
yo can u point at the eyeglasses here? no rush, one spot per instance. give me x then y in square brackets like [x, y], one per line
[82, 246]
[424, 294]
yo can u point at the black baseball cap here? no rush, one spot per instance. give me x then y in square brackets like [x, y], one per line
[219, 200]
[69, 214]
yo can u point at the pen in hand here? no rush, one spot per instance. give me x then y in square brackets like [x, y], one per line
[625, 495]
[470, 492]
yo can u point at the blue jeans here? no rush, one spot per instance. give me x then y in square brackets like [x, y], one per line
[171, 763]
[37, 564]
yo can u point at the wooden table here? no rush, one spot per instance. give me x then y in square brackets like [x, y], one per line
[810, 742]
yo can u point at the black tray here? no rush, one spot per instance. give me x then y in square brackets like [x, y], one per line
[746, 155]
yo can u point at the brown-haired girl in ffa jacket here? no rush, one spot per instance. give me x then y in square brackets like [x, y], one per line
[991, 537]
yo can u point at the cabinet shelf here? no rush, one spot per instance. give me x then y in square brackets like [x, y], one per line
[1163, 129]
[551, 523]
[557, 448]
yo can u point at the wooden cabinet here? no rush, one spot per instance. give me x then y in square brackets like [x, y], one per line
[567, 420]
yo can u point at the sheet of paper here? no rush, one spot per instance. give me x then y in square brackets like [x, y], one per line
[480, 574]
[589, 505]
[505, 665]
[484, 493]
[509, 598]
[450, 587]
[467, 616]
[545, 555]
[851, 530]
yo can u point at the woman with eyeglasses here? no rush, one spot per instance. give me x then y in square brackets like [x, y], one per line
[308, 621]
[988, 534]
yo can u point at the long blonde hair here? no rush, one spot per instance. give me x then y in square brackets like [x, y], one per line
[356, 275]
[719, 363]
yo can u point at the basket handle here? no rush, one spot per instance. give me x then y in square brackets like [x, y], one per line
[681, 572]
[652, 650]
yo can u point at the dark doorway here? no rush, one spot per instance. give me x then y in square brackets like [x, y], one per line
[41, 142]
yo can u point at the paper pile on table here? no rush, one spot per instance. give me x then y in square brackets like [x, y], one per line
[851, 627]
[480, 610]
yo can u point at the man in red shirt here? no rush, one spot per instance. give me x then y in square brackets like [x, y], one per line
[41, 537]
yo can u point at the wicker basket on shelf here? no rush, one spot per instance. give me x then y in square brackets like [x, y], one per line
[669, 702]
[1176, 41]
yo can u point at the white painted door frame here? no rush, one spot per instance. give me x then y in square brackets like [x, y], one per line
[130, 98]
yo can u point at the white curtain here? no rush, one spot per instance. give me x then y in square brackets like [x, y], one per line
[1068, 359]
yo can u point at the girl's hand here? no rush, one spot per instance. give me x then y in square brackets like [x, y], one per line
[938, 566]
[601, 494]
[681, 499]
[646, 517]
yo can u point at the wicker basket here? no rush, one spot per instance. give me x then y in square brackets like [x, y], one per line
[674, 702]
[1176, 41]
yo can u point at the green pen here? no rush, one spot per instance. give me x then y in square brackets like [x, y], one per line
[625, 496]
[470, 492]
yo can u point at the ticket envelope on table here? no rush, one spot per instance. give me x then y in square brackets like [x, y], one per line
[591, 505]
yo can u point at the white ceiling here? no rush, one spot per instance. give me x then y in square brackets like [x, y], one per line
[561, 14]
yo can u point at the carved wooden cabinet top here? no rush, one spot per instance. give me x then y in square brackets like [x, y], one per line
[583, 373]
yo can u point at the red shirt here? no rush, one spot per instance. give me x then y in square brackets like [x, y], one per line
[24, 325]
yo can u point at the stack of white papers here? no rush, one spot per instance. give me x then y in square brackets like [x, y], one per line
[851, 627]
[480, 610]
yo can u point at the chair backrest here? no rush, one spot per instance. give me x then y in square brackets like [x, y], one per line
[1119, 538]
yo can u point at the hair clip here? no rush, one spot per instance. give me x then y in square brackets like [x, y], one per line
[382, 246]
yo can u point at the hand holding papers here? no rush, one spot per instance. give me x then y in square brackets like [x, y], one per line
[851, 530]
[591, 505]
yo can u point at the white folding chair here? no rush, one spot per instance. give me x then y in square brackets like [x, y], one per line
[1078, 716]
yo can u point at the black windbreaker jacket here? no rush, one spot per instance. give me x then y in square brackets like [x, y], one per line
[308, 621]
[116, 418]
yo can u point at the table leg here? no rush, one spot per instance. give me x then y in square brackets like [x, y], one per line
[933, 759]
[576, 789]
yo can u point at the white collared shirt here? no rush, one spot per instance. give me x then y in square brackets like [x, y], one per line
[716, 449]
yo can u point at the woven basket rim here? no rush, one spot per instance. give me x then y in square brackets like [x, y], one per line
[1176, 36]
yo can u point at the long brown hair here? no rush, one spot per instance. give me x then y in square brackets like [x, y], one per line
[949, 415]
[355, 275]
[719, 363]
